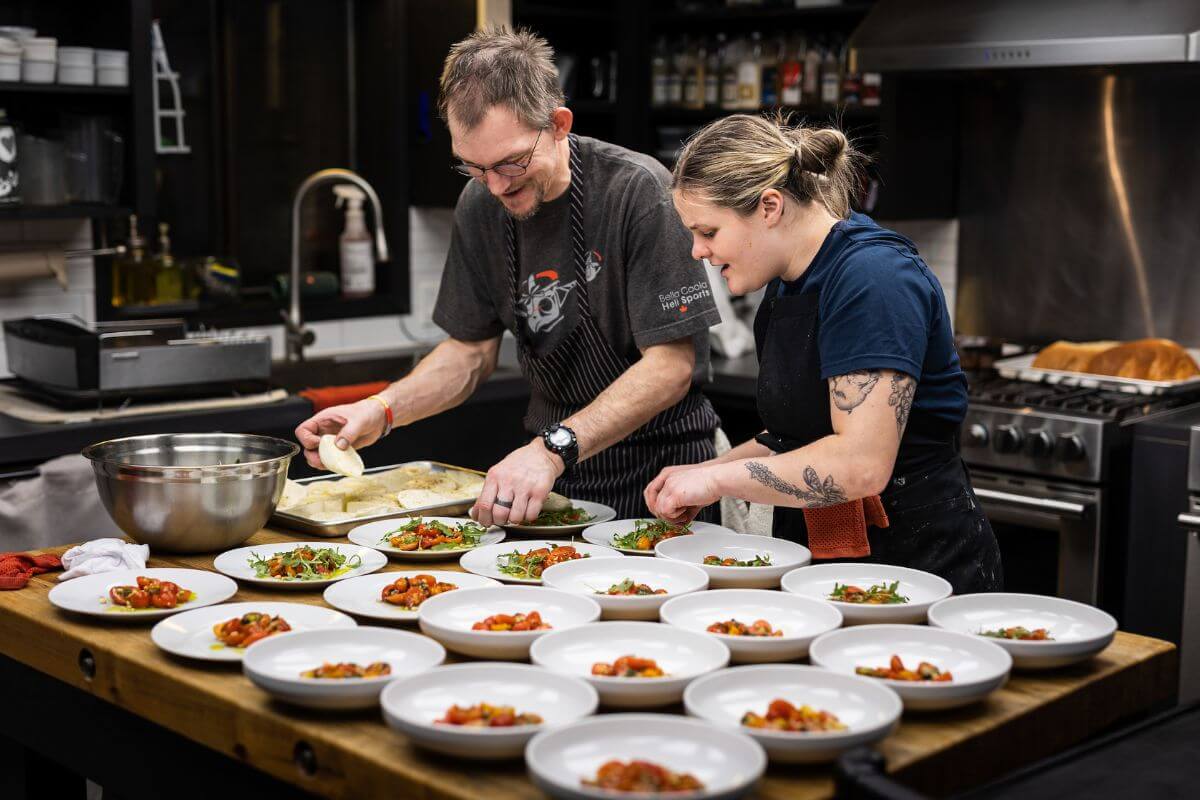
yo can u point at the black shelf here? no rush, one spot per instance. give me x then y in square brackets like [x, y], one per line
[669, 114]
[60, 88]
[68, 211]
[542, 11]
[667, 12]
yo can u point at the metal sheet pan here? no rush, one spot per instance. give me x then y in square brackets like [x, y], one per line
[282, 519]
[1021, 368]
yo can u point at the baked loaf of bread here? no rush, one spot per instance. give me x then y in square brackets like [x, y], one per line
[1144, 359]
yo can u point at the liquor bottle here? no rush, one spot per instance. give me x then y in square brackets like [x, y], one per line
[712, 72]
[831, 78]
[693, 79]
[677, 65]
[812, 72]
[791, 73]
[729, 76]
[749, 74]
[658, 74]
[774, 55]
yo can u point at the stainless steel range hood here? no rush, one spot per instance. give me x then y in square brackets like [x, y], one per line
[981, 34]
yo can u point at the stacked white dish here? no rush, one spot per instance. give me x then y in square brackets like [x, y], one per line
[77, 66]
[112, 67]
[39, 56]
[10, 59]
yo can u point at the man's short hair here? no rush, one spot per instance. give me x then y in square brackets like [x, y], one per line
[499, 67]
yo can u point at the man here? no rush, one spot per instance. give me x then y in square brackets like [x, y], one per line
[573, 246]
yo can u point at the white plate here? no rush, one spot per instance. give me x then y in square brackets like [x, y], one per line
[599, 512]
[922, 589]
[410, 705]
[1079, 631]
[89, 594]
[869, 710]
[482, 560]
[234, 563]
[729, 763]
[448, 618]
[604, 532]
[361, 596]
[190, 634]
[274, 664]
[587, 576]
[785, 556]
[800, 618]
[979, 667]
[682, 655]
[369, 534]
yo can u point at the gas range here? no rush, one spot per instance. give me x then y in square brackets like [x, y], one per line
[1051, 430]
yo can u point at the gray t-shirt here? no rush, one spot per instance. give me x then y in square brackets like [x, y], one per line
[643, 286]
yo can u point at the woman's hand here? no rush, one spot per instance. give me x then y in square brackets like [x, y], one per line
[678, 494]
[357, 425]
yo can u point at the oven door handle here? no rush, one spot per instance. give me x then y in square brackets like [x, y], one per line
[1189, 520]
[1059, 508]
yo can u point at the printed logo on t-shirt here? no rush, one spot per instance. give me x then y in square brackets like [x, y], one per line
[592, 264]
[542, 300]
[679, 299]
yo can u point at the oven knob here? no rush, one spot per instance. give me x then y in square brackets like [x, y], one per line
[1040, 444]
[1008, 439]
[977, 435]
[1069, 447]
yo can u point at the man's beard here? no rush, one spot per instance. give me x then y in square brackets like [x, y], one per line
[539, 196]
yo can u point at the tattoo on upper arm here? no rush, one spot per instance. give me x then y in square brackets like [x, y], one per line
[850, 390]
[901, 399]
[818, 493]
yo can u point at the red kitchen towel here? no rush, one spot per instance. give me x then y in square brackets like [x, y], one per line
[17, 568]
[326, 396]
[841, 531]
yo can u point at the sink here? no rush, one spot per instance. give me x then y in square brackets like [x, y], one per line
[341, 370]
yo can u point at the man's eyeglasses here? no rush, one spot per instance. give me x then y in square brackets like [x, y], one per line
[509, 169]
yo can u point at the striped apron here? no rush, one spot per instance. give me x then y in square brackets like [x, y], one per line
[581, 366]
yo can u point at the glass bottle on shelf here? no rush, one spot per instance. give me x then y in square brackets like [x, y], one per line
[693, 79]
[658, 74]
[810, 83]
[132, 272]
[791, 71]
[749, 74]
[831, 78]
[168, 277]
[712, 72]
[729, 75]
[677, 66]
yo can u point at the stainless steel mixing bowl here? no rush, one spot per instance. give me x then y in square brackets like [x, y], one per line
[191, 492]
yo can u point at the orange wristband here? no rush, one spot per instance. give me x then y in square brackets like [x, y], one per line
[387, 411]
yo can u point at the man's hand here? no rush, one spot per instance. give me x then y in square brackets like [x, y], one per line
[357, 425]
[678, 494]
[522, 479]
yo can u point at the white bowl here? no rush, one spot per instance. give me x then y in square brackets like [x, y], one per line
[89, 594]
[39, 48]
[979, 667]
[800, 618]
[410, 705]
[10, 69]
[234, 563]
[483, 560]
[372, 534]
[361, 596]
[598, 511]
[112, 76]
[112, 58]
[727, 762]
[591, 577]
[76, 57]
[785, 556]
[1079, 631]
[922, 589]
[604, 532]
[449, 617]
[190, 634]
[76, 75]
[869, 710]
[274, 664]
[37, 71]
[682, 655]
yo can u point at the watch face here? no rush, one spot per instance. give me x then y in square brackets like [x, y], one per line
[560, 438]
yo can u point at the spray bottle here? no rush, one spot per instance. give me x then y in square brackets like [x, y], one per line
[356, 253]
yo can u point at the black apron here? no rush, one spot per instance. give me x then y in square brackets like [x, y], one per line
[937, 524]
[581, 366]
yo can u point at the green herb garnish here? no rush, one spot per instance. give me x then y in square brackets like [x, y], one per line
[303, 564]
[757, 561]
[568, 516]
[877, 594]
[433, 535]
[648, 532]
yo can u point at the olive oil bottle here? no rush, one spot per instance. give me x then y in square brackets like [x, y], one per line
[132, 272]
[168, 277]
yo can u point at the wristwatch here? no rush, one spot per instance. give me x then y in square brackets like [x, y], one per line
[560, 439]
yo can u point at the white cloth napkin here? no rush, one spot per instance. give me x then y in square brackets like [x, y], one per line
[103, 555]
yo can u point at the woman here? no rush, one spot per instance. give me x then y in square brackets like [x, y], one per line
[859, 383]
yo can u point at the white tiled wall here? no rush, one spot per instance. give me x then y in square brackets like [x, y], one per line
[45, 295]
[937, 240]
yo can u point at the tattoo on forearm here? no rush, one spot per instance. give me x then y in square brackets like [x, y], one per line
[901, 399]
[850, 390]
[818, 494]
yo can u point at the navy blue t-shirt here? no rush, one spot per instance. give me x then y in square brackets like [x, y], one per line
[880, 307]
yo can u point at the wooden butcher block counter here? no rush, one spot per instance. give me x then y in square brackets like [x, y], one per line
[356, 755]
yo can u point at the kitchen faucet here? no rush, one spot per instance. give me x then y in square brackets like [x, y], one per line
[298, 337]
